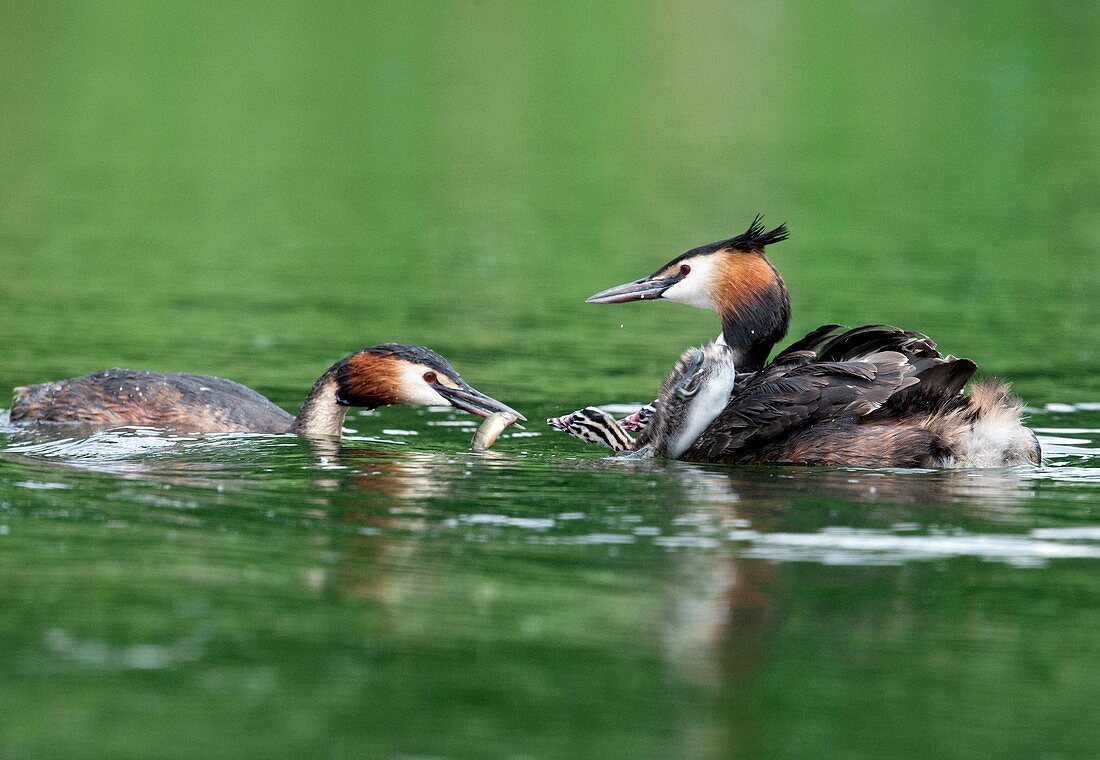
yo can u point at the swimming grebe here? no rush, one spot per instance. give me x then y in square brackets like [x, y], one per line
[734, 278]
[390, 373]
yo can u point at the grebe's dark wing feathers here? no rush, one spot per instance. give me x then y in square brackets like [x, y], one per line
[938, 392]
[781, 399]
[835, 343]
[948, 376]
[869, 339]
[232, 403]
[941, 377]
[811, 342]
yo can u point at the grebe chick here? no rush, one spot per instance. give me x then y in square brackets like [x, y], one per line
[390, 373]
[693, 395]
[594, 425]
[735, 279]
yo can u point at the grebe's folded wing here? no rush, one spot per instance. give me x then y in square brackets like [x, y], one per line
[836, 343]
[941, 377]
[782, 398]
[811, 342]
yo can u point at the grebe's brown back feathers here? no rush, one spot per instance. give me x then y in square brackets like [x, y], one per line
[118, 397]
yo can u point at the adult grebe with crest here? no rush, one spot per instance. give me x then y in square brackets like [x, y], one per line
[872, 396]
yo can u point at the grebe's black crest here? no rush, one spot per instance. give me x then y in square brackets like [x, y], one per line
[753, 240]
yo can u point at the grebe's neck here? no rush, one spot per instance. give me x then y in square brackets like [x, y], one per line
[754, 321]
[322, 414]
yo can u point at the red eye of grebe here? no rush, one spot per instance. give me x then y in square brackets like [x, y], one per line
[684, 270]
[429, 377]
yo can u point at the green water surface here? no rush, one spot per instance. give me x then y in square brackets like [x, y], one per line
[254, 190]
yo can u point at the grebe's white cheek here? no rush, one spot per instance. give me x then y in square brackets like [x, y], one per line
[416, 390]
[425, 395]
[694, 289]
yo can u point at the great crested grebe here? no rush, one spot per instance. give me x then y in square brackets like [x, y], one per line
[390, 373]
[869, 396]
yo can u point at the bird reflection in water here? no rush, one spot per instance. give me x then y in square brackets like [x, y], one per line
[385, 495]
[724, 611]
[721, 604]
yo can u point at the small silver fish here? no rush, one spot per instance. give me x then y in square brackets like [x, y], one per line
[490, 430]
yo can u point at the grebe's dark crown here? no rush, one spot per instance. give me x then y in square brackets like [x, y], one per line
[753, 240]
[414, 355]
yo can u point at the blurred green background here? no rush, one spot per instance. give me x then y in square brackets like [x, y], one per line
[186, 185]
[253, 190]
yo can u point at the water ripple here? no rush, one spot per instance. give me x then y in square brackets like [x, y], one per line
[842, 546]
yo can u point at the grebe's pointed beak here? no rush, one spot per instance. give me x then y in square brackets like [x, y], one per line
[645, 289]
[474, 401]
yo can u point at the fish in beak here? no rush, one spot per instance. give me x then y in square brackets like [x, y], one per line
[473, 401]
